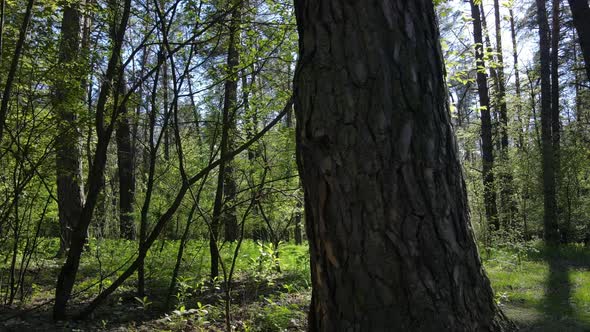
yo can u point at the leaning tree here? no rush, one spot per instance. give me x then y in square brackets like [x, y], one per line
[391, 244]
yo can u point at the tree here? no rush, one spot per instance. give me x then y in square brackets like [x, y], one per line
[225, 183]
[487, 145]
[69, 270]
[386, 210]
[507, 202]
[125, 153]
[548, 158]
[580, 13]
[67, 99]
[15, 62]
[555, 120]
[230, 104]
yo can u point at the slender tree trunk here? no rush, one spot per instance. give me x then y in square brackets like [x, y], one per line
[519, 114]
[2, 9]
[150, 170]
[14, 65]
[517, 86]
[386, 206]
[125, 153]
[67, 102]
[228, 126]
[487, 145]
[581, 13]
[555, 109]
[507, 201]
[230, 220]
[165, 88]
[501, 93]
[550, 218]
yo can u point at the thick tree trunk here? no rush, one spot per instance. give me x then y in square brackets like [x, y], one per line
[487, 145]
[67, 102]
[550, 218]
[581, 13]
[386, 208]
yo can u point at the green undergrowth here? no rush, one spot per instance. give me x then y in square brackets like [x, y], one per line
[542, 288]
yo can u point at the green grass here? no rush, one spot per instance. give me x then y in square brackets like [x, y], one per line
[548, 289]
[540, 288]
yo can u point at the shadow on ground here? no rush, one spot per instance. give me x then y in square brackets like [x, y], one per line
[556, 311]
[123, 312]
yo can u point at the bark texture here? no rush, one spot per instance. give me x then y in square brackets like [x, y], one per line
[551, 234]
[581, 13]
[391, 244]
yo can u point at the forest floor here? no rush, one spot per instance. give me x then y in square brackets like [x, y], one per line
[541, 289]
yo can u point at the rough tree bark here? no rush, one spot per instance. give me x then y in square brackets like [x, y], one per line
[581, 13]
[550, 204]
[67, 102]
[391, 244]
[487, 145]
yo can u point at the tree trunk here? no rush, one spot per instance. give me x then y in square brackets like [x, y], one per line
[228, 125]
[124, 148]
[67, 102]
[22, 35]
[521, 126]
[517, 80]
[125, 170]
[550, 219]
[386, 207]
[487, 146]
[501, 93]
[581, 13]
[68, 272]
[507, 202]
[555, 109]
[230, 220]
